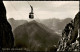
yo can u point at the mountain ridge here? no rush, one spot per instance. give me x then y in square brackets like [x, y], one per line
[34, 34]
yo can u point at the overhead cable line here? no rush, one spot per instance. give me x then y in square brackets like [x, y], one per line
[15, 8]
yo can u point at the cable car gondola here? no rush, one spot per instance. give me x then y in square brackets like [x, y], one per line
[31, 14]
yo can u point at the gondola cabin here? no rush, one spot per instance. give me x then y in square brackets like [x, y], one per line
[31, 15]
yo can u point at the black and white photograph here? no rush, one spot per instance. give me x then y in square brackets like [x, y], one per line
[39, 26]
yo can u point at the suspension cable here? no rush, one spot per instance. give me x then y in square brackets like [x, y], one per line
[25, 6]
[15, 8]
[28, 2]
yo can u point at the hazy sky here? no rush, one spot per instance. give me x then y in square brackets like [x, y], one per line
[42, 9]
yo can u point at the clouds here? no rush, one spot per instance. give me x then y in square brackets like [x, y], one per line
[43, 9]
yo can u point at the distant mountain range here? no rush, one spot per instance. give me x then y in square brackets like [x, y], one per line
[56, 24]
[15, 23]
[34, 36]
[37, 36]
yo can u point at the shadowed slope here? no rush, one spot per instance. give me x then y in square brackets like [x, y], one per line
[34, 36]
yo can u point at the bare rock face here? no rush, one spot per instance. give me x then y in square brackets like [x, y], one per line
[6, 35]
[72, 41]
